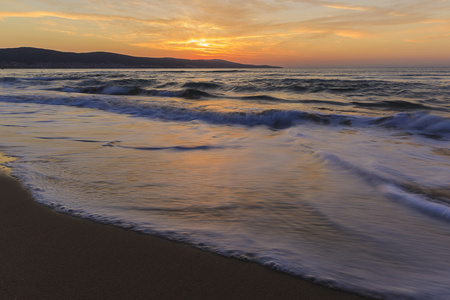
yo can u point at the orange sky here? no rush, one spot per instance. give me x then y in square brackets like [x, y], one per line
[289, 33]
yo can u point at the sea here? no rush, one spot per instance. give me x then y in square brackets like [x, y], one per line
[339, 176]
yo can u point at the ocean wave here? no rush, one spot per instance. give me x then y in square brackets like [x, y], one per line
[195, 94]
[263, 97]
[398, 104]
[422, 123]
[268, 98]
[360, 91]
[430, 201]
[105, 90]
[248, 91]
[68, 77]
[418, 201]
[137, 82]
[380, 88]
[418, 122]
[202, 85]
[9, 79]
[136, 91]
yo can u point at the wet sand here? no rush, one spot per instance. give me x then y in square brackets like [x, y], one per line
[48, 255]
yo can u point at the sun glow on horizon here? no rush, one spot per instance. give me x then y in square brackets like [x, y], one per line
[280, 32]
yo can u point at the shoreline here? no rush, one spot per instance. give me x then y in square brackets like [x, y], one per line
[49, 255]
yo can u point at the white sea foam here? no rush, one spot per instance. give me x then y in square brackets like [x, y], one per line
[420, 202]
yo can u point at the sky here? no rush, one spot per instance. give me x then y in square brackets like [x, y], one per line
[288, 33]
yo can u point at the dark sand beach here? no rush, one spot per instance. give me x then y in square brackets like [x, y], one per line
[48, 255]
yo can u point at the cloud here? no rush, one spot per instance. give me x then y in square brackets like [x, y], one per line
[234, 27]
[78, 16]
[343, 6]
[355, 34]
[429, 38]
[214, 19]
[335, 5]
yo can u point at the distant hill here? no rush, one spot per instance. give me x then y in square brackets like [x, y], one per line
[26, 57]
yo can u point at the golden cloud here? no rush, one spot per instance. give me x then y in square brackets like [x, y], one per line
[342, 6]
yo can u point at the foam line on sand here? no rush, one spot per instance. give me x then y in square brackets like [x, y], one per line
[48, 255]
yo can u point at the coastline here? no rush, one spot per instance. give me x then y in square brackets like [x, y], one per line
[48, 255]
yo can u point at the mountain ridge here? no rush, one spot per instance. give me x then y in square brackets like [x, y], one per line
[30, 57]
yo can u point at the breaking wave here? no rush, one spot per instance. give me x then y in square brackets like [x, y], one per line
[412, 122]
[134, 91]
